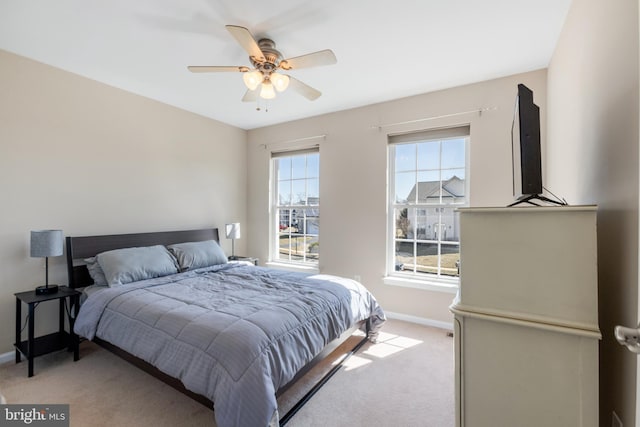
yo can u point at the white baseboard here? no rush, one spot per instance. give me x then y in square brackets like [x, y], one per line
[7, 357]
[420, 320]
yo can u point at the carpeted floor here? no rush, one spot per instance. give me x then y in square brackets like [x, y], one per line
[406, 379]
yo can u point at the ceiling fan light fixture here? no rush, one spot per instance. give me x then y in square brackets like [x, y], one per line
[267, 91]
[252, 79]
[262, 80]
[280, 81]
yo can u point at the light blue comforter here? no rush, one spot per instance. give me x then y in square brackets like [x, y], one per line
[233, 333]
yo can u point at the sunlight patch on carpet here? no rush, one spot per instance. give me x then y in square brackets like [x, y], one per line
[355, 362]
[403, 342]
[382, 350]
[389, 344]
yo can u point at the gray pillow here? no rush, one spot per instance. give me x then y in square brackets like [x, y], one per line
[127, 265]
[95, 271]
[192, 255]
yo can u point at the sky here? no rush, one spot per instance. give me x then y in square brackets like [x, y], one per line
[427, 161]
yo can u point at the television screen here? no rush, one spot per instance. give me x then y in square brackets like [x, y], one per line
[525, 142]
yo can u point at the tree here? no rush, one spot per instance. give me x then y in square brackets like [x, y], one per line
[403, 224]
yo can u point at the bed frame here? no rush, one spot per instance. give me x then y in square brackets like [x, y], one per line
[79, 248]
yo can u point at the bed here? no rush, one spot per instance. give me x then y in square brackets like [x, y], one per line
[228, 333]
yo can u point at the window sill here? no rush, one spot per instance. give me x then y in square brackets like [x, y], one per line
[293, 267]
[446, 286]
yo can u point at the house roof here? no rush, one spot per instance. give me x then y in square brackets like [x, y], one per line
[453, 187]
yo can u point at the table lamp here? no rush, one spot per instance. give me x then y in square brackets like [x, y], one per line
[232, 232]
[46, 243]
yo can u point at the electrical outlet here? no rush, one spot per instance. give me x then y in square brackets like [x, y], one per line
[615, 421]
[357, 278]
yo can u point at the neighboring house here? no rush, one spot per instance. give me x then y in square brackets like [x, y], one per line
[437, 222]
[296, 218]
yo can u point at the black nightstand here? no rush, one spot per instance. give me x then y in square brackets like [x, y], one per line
[34, 347]
[244, 258]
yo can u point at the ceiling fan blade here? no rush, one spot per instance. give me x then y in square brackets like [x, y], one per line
[247, 41]
[323, 57]
[251, 95]
[216, 69]
[304, 89]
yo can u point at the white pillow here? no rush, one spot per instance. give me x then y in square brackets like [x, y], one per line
[127, 265]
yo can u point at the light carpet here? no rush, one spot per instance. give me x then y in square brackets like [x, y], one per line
[406, 379]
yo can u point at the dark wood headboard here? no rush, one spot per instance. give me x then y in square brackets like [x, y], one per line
[82, 247]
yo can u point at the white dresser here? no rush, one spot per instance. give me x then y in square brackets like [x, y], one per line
[526, 318]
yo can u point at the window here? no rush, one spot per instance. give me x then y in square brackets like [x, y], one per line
[428, 180]
[296, 207]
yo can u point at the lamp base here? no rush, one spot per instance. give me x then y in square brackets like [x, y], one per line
[46, 290]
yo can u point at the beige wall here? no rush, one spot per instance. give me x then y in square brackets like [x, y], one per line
[353, 168]
[592, 157]
[91, 159]
[88, 158]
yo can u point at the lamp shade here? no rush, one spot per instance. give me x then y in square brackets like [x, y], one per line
[232, 230]
[46, 243]
[267, 91]
[279, 81]
[252, 79]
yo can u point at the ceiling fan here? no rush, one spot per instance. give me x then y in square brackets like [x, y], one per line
[265, 76]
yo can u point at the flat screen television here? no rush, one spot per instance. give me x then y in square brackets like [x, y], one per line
[525, 143]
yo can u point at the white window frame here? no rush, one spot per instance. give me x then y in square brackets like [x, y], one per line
[412, 279]
[274, 248]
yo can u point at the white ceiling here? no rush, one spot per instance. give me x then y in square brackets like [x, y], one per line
[385, 49]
